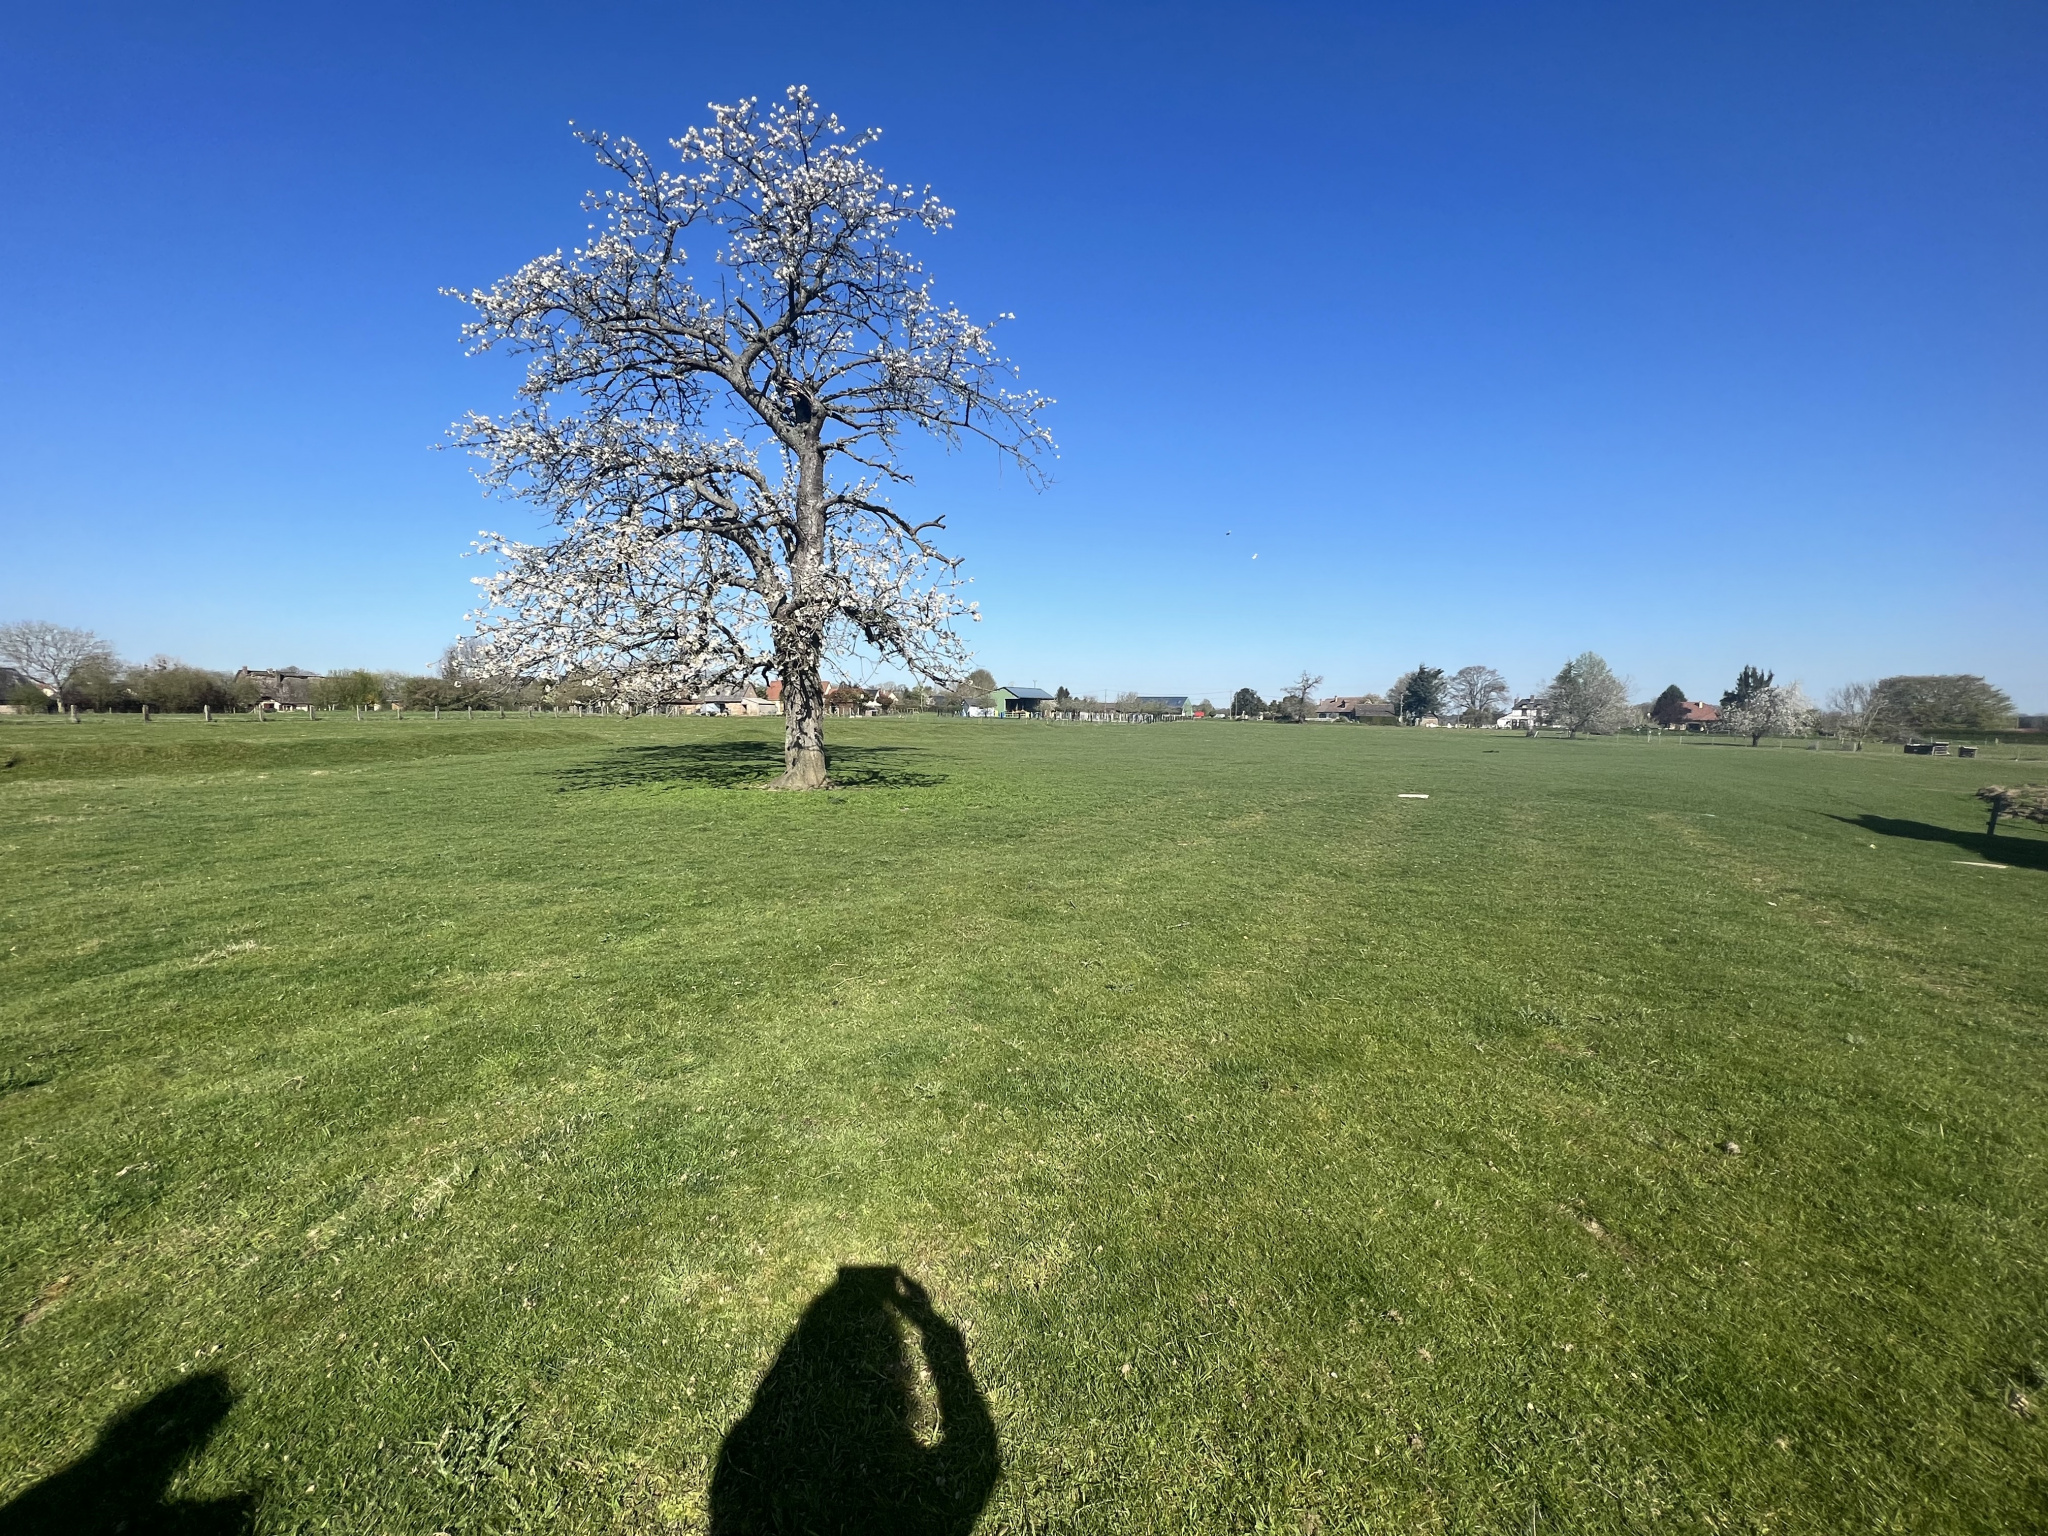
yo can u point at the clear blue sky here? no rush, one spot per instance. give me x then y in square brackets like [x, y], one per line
[1694, 335]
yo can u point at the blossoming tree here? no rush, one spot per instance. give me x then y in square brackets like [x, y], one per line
[1769, 710]
[717, 443]
[1587, 696]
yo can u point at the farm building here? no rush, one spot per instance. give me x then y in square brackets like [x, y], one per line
[1021, 701]
[738, 701]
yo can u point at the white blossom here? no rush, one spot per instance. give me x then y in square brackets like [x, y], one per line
[1769, 711]
[718, 444]
[1587, 696]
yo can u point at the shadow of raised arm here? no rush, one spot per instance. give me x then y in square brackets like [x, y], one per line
[834, 1441]
[967, 1460]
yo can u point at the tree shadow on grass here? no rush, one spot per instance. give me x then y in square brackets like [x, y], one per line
[2022, 852]
[738, 765]
[838, 1440]
[119, 1484]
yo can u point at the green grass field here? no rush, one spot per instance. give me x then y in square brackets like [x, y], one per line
[417, 1127]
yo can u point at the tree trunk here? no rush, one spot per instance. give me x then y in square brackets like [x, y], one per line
[803, 719]
[800, 635]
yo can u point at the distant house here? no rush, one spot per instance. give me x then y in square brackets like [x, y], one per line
[739, 701]
[1353, 706]
[1699, 717]
[279, 688]
[1020, 701]
[1165, 703]
[1525, 716]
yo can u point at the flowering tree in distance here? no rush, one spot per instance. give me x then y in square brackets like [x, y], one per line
[1587, 696]
[716, 444]
[1768, 710]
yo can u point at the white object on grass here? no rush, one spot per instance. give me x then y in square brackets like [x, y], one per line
[1411, 797]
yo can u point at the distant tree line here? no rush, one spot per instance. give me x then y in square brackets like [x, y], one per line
[63, 668]
[1892, 708]
[977, 690]
[1587, 698]
[55, 667]
[1475, 695]
[1900, 707]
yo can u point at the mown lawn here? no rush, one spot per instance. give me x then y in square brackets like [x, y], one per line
[417, 1126]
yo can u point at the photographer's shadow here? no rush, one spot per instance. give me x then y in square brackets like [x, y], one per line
[120, 1484]
[846, 1433]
